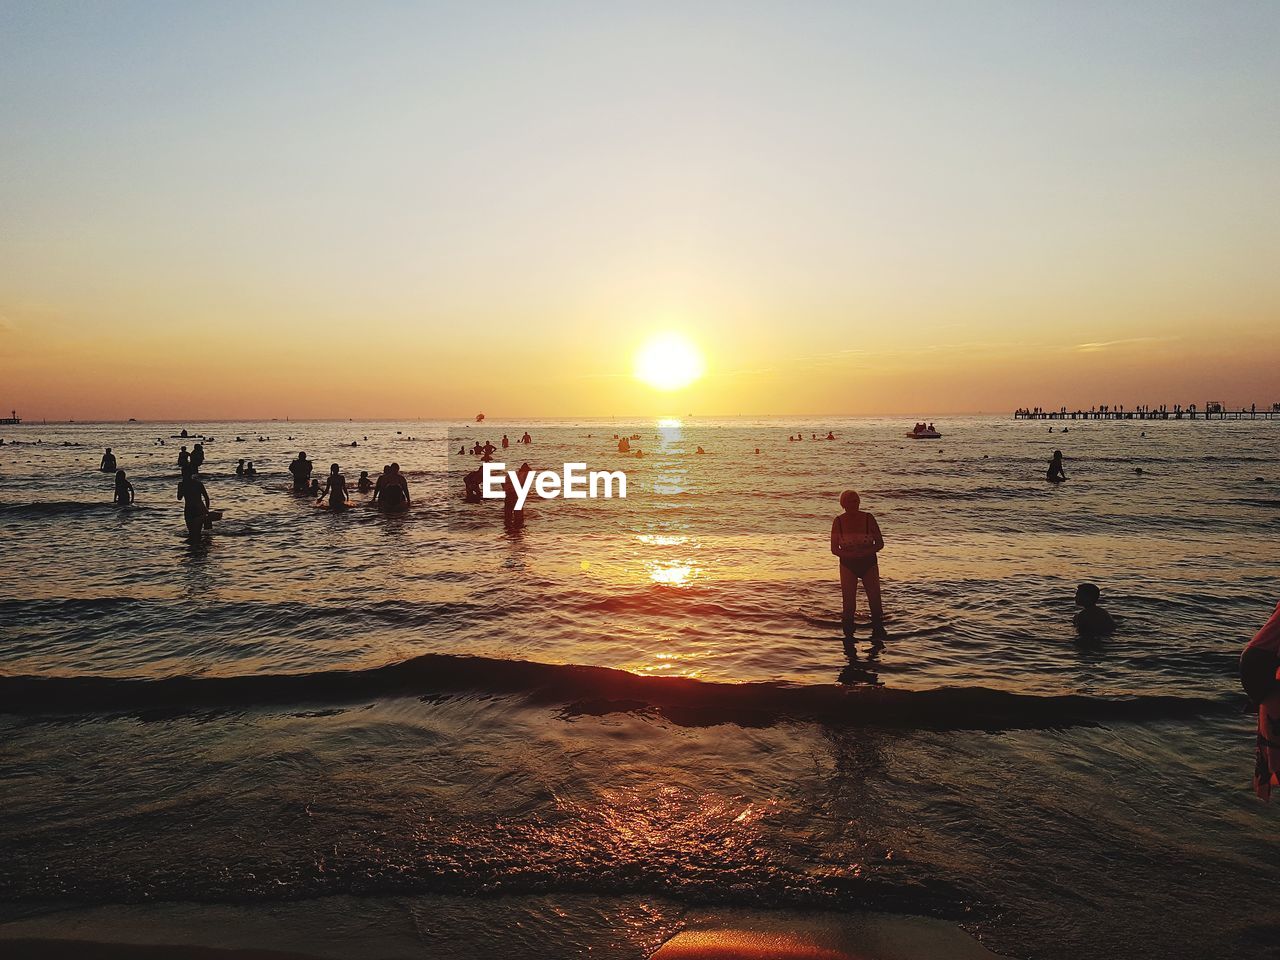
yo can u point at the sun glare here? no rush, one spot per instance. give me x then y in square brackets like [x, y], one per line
[668, 362]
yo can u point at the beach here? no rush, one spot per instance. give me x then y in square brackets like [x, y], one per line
[384, 736]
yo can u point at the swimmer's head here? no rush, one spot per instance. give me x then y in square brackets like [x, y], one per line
[395, 468]
[849, 500]
[333, 468]
[119, 474]
[1087, 594]
[108, 449]
[1057, 454]
[363, 474]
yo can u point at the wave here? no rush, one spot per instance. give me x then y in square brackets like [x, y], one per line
[281, 616]
[60, 508]
[584, 690]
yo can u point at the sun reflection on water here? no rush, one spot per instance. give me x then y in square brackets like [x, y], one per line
[671, 576]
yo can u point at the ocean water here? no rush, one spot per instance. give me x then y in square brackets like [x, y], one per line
[647, 699]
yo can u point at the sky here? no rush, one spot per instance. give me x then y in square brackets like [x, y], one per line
[315, 210]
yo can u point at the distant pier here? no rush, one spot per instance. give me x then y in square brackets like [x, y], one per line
[1213, 410]
[11, 419]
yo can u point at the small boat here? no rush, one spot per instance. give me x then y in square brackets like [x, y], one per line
[927, 433]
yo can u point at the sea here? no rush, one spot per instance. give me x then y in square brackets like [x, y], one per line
[564, 739]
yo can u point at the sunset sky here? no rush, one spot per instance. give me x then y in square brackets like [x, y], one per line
[401, 210]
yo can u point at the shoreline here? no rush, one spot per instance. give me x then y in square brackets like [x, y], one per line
[400, 928]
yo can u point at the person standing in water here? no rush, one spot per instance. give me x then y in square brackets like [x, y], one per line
[391, 492]
[335, 487]
[197, 457]
[108, 464]
[512, 517]
[1054, 474]
[301, 470]
[184, 460]
[124, 490]
[195, 502]
[856, 540]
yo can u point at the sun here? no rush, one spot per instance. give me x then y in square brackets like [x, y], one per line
[668, 361]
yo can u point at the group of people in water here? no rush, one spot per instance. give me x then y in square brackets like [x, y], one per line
[856, 539]
[390, 490]
[486, 450]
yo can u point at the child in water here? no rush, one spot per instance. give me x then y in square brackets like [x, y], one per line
[1092, 620]
[1054, 474]
[124, 490]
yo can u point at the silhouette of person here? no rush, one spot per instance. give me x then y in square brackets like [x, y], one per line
[1054, 474]
[391, 492]
[856, 540]
[471, 482]
[108, 464]
[301, 470]
[526, 438]
[510, 515]
[249, 471]
[505, 442]
[1260, 675]
[124, 490]
[381, 483]
[336, 489]
[364, 484]
[1091, 620]
[195, 502]
[240, 468]
[184, 460]
[197, 457]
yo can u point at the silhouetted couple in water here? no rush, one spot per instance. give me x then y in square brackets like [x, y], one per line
[391, 491]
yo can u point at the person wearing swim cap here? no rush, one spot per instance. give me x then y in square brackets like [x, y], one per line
[1091, 621]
